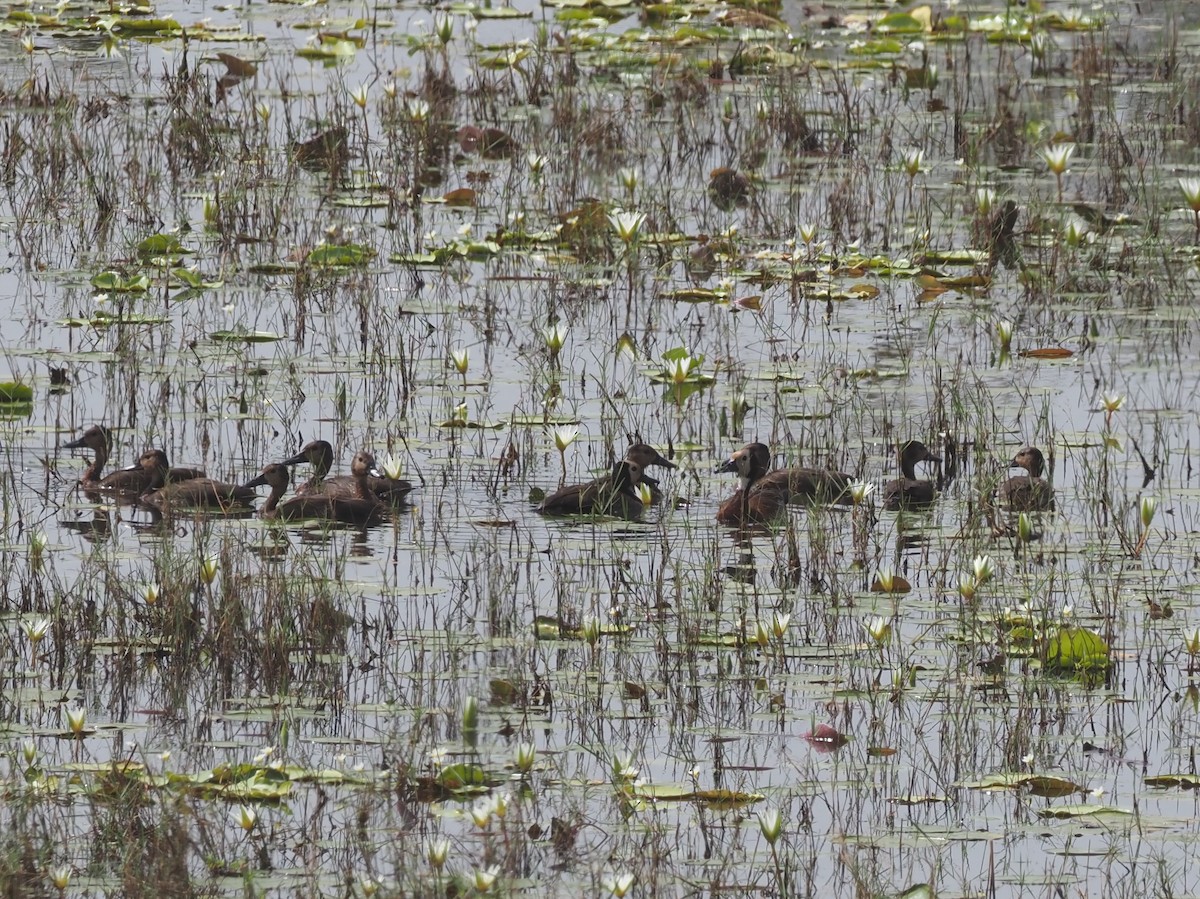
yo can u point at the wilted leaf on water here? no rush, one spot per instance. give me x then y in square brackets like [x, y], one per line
[503, 692]
[1047, 786]
[1076, 649]
[462, 196]
[727, 798]
[238, 67]
[632, 691]
[917, 800]
[694, 295]
[1047, 353]
[967, 281]
[897, 584]
[1081, 811]
[547, 627]
[244, 336]
[1187, 781]
[825, 738]
[928, 282]
[751, 303]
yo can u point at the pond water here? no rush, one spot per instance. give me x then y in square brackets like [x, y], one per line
[274, 229]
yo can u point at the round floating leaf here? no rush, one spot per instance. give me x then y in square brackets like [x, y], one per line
[160, 245]
[1076, 649]
[340, 256]
[244, 336]
[15, 392]
[462, 776]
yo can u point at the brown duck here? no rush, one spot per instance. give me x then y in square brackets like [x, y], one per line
[907, 491]
[763, 494]
[363, 508]
[200, 493]
[1027, 492]
[98, 439]
[645, 456]
[614, 494]
[319, 454]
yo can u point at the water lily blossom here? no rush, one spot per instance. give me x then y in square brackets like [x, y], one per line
[1191, 641]
[983, 568]
[1056, 157]
[209, 567]
[1004, 332]
[770, 825]
[248, 817]
[1147, 508]
[485, 877]
[525, 756]
[859, 491]
[619, 884]
[879, 628]
[461, 359]
[392, 467]
[1191, 192]
[565, 436]
[627, 225]
[555, 336]
[35, 631]
[436, 853]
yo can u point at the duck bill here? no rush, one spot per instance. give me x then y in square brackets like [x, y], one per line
[664, 462]
[297, 459]
[730, 464]
[75, 444]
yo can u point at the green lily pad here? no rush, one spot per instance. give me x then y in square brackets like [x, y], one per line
[15, 392]
[245, 336]
[115, 282]
[1076, 649]
[160, 246]
[340, 256]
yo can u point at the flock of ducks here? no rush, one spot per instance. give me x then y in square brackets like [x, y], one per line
[366, 497]
[764, 493]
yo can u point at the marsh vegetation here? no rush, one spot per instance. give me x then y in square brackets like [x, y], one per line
[498, 245]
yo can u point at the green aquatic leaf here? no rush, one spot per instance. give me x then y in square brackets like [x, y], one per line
[1076, 649]
[340, 256]
[244, 336]
[159, 246]
[462, 776]
[15, 392]
[115, 282]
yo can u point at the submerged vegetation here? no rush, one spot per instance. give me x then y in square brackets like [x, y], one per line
[498, 245]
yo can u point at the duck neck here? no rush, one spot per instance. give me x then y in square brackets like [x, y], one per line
[92, 472]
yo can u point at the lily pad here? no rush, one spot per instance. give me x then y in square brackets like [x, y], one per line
[1076, 649]
[244, 336]
[340, 256]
